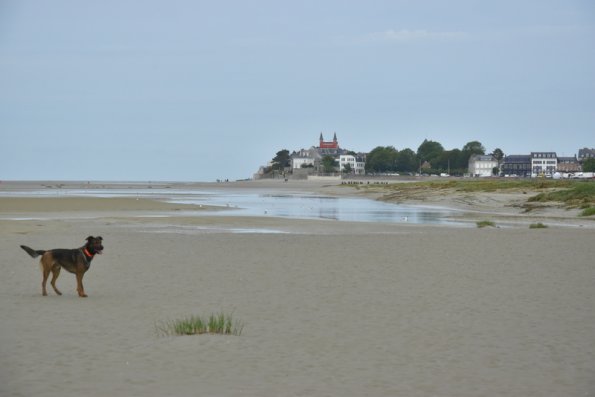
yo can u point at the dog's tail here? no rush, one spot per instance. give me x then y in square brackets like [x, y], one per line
[32, 252]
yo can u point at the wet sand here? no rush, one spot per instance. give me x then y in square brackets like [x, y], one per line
[330, 308]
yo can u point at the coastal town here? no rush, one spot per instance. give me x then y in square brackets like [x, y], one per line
[329, 159]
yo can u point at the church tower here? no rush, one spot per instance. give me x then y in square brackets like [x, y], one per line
[334, 144]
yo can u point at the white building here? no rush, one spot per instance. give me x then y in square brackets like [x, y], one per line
[357, 164]
[543, 163]
[301, 159]
[482, 165]
[300, 162]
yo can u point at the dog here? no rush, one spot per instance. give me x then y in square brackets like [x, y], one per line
[77, 261]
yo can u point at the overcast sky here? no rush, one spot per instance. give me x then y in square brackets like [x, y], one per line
[200, 90]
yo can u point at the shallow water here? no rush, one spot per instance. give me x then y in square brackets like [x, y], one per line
[255, 203]
[320, 207]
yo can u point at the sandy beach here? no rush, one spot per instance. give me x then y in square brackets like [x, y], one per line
[329, 308]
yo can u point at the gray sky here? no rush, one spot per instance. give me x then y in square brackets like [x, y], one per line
[200, 90]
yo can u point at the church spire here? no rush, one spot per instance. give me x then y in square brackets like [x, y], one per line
[334, 144]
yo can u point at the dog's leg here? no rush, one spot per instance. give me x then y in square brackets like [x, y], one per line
[46, 273]
[55, 274]
[79, 285]
[46, 262]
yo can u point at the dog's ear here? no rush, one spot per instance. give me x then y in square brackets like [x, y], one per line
[89, 238]
[100, 238]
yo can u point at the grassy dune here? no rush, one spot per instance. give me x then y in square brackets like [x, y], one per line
[569, 193]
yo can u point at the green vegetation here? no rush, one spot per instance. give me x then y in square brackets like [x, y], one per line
[430, 157]
[496, 184]
[281, 160]
[588, 211]
[472, 185]
[195, 325]
[481, 224]
[577, 195]
[329, 164]
[537, 226]
[589, 165]
[562, 189]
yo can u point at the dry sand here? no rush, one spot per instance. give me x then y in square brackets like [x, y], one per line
[330, 308]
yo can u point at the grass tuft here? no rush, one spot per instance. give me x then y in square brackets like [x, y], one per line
[537, 226]
[195, 325]
[588, 211]
[481, 224]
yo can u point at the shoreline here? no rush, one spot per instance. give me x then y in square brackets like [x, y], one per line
[503, 208]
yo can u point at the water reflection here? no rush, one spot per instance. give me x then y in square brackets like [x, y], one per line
[254, 203]
[320, 207]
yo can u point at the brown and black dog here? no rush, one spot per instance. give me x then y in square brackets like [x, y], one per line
[75, 261]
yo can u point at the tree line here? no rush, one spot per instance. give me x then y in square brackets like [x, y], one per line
[430, 157]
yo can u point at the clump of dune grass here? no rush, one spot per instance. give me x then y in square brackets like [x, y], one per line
[538, 225]
[195, 325]
[481, 224]
[588, 211]
[577, 195]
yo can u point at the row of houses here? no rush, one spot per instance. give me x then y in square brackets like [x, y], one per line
[309, 161]
[528, 165]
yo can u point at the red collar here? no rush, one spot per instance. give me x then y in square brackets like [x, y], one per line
[87, 253]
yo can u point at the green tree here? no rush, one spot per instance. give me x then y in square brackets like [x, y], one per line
[429, 151]
[451, 161]
[381, 159]
[347, 169]
[474, 147]
[441, 162]
[498, 154]
[281, 160]
[406, 161]
[457, 162]
[328, 164]
[589, 165]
